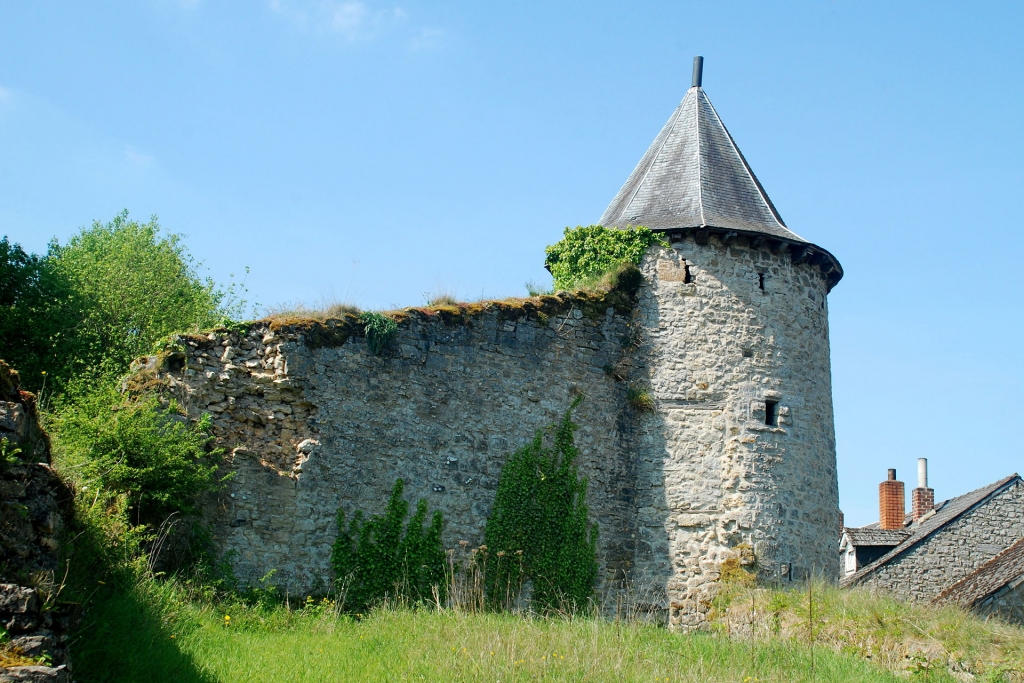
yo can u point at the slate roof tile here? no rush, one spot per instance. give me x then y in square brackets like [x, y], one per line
[692, 176]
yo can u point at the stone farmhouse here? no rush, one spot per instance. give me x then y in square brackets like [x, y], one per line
[727, 333]
[967, 550]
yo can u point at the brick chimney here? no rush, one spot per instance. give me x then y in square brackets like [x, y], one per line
[891, 511]
[922, 498]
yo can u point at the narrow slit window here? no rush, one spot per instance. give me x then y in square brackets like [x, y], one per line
[771, 413]
[760, 281]
[687, 277]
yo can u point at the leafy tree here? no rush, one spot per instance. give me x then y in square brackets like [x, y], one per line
[106, 297]
[376, 559]
[539, 528]
[31, 295]
[584, 254]
[133, 285]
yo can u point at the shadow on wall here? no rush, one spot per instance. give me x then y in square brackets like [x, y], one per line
[639, 568]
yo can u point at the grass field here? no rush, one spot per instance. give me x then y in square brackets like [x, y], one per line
[128, 639]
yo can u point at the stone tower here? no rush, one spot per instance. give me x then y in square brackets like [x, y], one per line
[739, 459]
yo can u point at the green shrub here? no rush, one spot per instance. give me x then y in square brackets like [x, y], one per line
[585, 254]
[539, 528]
[136, 448]
[380, 329]
[375, 559]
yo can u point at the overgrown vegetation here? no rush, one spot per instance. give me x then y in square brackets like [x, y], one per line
[375, 559]
[380, 329]
[326, 310]
[539, 529]
[640, 398]
[585, 254]
[73, 319]
[140, 449]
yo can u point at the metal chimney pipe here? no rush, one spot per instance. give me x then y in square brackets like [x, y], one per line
[922, 499]
[698, 71]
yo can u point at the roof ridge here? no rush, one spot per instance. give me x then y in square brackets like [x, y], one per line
[750, 172]
[700, 176]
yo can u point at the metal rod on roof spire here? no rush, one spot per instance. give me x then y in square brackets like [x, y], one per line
[698, 71]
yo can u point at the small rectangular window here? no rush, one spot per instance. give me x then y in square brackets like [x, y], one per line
[771, 413]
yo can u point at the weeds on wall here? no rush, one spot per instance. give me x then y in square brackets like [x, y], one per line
[539, 529]
[585, 254]
[376, 558]
[641, 399]
[380, 329]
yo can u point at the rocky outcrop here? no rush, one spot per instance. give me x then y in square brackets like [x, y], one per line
[33, 506]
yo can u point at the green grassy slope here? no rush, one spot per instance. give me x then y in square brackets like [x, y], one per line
[153, 634]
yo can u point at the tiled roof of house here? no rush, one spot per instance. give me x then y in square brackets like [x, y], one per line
[1002, 569]
[945, 513]
[874, 536]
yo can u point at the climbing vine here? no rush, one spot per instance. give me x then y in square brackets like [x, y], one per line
[539, 528]
[584, 254]
[376, 558]
[379, 330]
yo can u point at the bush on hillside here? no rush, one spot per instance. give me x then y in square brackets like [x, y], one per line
[585, 254]
[375, 558]
[138, 449]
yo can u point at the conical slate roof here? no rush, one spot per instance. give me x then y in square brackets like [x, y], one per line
[694, 176]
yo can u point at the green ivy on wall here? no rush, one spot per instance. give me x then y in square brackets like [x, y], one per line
[375, 558]
[539, 528]
[585, 254]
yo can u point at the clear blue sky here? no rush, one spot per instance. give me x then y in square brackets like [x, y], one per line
[372, 152]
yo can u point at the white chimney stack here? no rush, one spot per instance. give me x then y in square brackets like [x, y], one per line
[922, 498]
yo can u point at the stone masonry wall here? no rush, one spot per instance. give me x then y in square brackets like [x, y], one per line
[955, 550]
[34, 506]
[1007, 604]
[314, 422]
[728, 327]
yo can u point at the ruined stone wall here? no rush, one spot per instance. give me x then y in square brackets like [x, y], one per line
[34, 505]
[727, 328]
[955, 550]
[314, 422]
